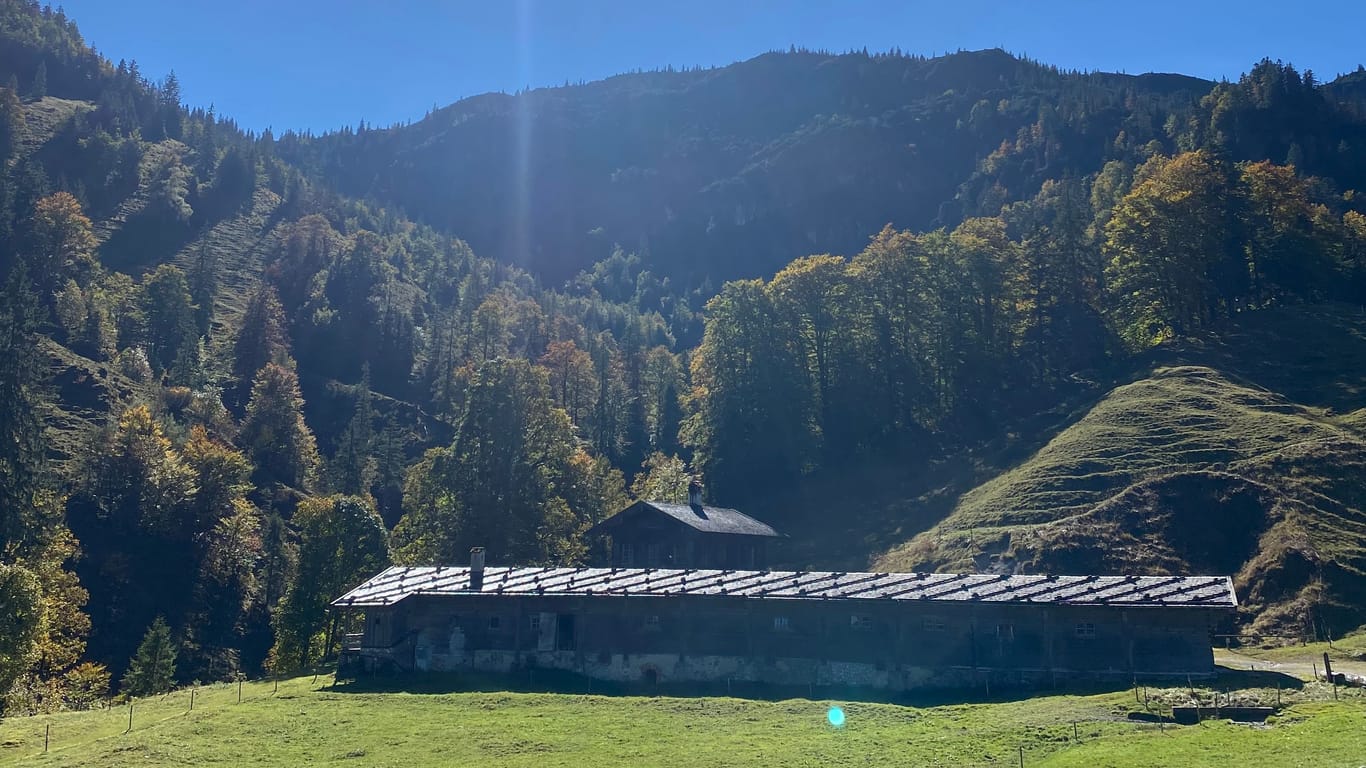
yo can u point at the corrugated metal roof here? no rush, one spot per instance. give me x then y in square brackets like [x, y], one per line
[398, 583]
[702, 518]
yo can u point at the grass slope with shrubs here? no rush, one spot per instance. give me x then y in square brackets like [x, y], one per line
[1230, 456]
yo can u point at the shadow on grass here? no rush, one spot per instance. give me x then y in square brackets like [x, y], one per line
[1236, 679]
[563, 682]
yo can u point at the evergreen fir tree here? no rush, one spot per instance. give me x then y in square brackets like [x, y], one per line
[262, 338]
[39, 87]
[274, 433]
[152, 670]
[353, 466]
[23, 378]
[203, 279]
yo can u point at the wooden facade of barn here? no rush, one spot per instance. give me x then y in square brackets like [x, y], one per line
[892, 631]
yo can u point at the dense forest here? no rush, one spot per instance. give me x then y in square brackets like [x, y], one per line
[240, 372]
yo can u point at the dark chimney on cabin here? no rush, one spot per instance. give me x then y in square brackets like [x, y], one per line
[476, 569]
[695, 495]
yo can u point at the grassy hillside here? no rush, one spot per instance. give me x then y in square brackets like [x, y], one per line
[310, 722]
[134, 239]
[1243, 464]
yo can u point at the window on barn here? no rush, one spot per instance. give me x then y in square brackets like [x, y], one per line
[1086, 630]
[495, 622]
[861, 621]
[652, 623]
[934, 624]
[628, 554]
[1005, 633]
[535, 622]
[565, 637]
[781, 624]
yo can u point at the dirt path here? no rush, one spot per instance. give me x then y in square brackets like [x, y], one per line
[1301, 668]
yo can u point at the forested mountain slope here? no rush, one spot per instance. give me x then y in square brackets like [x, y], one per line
[218, 375]
[236, 377]
[723, 173]
[716, 174]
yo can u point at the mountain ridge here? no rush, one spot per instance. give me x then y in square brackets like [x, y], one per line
[725, 162]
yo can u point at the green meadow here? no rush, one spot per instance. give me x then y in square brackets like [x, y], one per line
[310, 721]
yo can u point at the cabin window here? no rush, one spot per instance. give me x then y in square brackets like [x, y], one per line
[1005, 633]
[781, 624]
[1086, 630]
[628, 553]
[495, 622]
[534, 621]
[565, 637]
[861, 621]
[651, 623]
[933, 624]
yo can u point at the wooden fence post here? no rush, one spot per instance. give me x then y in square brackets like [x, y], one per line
[239, 690]
[130, 718]
[47, 737]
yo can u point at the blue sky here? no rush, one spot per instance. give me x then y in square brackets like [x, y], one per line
[322, 64]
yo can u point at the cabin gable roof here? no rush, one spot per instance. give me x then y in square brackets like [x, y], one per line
[698, 517]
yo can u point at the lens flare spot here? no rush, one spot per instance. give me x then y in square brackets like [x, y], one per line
[836, 716]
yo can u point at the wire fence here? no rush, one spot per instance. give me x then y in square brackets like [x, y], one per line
[1157, 710]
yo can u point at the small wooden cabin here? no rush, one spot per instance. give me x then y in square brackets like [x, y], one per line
[656, 534]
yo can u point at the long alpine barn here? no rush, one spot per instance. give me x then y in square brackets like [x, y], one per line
[894, 631]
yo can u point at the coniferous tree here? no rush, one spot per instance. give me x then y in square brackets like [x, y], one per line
[352, 468]
[152, 669]
[170, 106]
[169, 317]
[203, 283]
[391, 465]
[279, 559]
[262, 338]
[274, 434]
[23, 377]
[38, 89]
[12, 123]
